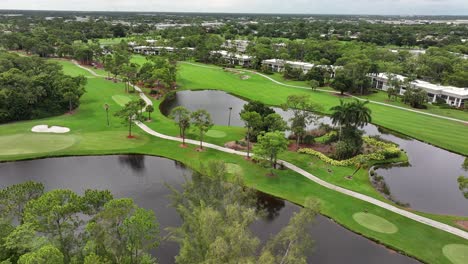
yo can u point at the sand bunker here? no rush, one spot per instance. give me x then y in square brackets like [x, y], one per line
[52, 129]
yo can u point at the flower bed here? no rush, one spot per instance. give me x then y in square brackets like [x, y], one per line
[385, 151]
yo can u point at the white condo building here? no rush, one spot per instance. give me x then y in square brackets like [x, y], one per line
[453, 96]
[150, 50]
[240, 45]
[232, 58]
[278, 65]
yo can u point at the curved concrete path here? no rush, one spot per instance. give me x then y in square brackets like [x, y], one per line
[328, 91]
[415, 217]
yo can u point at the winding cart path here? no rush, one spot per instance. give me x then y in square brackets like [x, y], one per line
[410, 215]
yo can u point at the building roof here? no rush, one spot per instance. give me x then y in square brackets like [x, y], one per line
[431, 87]
[225, 53]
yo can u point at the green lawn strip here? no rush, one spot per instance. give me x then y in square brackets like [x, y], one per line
[121, 100]
[216, 134]
[443, 133]
[335, 174]
[71, 69]
[457, 253]
[138, 59]
[111, 41]
[234, 169]
[28, 143]
[375, 223]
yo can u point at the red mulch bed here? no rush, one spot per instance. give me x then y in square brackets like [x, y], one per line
[131, 137]
[233, 145]
[325, 149]
[462, 224]
[183, 146]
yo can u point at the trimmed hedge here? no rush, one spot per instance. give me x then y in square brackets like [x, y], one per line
[386, 150]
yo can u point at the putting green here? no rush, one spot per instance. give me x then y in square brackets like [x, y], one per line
[216, 133]
[234, 168]
[456, 253]
[110, 140]
[375, 223]
[19, 144]
[122, 100]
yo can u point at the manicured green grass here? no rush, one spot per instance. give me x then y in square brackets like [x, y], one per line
[88, 124]
[381, 96]
[375, 223]
[234, 169]
[72, 70]
[138, 59]
[33, 143]
[443, 133]
[216, 134]
[458, 254]
[121, 100]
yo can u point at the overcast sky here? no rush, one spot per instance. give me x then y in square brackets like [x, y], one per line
[399, 7]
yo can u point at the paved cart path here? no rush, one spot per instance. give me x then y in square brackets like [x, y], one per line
[410, 215]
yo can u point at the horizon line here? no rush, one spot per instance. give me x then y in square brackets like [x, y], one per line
[231, 13]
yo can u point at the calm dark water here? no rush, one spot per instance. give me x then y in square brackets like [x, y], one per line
[429, 184]
[143, 178]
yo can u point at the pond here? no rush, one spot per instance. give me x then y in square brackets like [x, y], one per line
[429, 184]
[143, 178]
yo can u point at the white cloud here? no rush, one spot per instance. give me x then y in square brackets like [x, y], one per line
[428, 7]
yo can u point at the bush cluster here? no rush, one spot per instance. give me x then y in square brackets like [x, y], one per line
[386, 150]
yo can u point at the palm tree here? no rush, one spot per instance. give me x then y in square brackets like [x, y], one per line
[339, 116]
[360, 113]
[354, 114]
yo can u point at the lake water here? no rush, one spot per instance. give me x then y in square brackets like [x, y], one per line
[429, 184]
[143, 178]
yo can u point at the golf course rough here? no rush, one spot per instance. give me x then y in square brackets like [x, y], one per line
[375, 223]
[216, 134]
[456, 253]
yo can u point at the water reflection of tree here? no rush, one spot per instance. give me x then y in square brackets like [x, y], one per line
[463, 185]
[179, 165]
[269, 205]
[217, 213]
[135, 162]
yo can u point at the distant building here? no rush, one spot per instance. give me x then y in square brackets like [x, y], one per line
[278, 65]
[150, 50]
[240, 45]
[453, 96]
[234, 59]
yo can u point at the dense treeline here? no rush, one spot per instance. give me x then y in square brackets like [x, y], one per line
[31, 87]
[62, 227]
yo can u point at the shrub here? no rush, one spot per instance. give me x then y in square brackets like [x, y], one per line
[386, 150]
[308, 139]
[343, 150]
[154, 92]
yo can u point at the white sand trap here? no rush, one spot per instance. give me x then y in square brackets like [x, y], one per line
[52, 129]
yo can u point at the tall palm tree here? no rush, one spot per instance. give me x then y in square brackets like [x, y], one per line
[360, 113]
[353, 114]
[339, 116]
